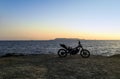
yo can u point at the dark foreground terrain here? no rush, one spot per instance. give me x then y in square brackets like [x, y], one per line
[53, 67]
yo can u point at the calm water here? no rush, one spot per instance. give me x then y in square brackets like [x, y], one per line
[105, 48]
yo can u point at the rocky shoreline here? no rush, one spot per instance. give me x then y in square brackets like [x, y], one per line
[50, 66]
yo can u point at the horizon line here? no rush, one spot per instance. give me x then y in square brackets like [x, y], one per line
[56, 39]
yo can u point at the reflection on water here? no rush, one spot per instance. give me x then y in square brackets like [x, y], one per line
[105, 48]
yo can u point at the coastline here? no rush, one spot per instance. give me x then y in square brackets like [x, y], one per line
[50, 66]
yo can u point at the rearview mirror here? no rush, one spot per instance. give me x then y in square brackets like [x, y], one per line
[79, 42]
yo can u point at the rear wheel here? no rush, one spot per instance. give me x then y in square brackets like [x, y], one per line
[62, 53]
[85, 53]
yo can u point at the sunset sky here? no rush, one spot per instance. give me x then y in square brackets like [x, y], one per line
[49, 19]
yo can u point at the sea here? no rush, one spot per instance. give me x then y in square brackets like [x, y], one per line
[96, 47]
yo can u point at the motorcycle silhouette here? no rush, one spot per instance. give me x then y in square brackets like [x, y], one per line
[72, 51]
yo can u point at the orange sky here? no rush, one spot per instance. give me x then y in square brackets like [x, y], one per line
[50, 19]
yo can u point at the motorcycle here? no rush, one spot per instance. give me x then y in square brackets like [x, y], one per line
[73, 51]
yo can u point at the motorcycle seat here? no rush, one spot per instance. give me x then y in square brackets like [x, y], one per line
[64, 46]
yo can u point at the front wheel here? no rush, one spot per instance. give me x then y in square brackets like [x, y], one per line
[62, 53]
[85, 53]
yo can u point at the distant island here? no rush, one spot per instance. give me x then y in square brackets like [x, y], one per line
[68, 39]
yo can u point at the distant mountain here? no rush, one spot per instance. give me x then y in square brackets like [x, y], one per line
[66, 39]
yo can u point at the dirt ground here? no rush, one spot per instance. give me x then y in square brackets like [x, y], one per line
[54, 67]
